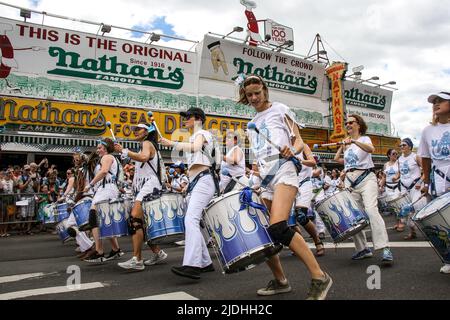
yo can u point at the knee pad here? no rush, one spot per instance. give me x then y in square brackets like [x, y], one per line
[72, 231]
[93, 222]
[302, 217]
[281, 233]
[134, 224]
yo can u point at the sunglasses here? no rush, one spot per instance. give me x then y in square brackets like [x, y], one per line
[350, 122]
[394, 154]
[403, 145]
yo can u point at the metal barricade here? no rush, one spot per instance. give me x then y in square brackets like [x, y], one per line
[19, 208]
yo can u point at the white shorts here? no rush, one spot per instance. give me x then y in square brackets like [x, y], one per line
[148, 188]
[287, 175]
[109, 192]
[304, 195]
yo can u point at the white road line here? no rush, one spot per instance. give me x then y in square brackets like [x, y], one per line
[18, 277]
[49, 290]
[345, 245]
[180, 295]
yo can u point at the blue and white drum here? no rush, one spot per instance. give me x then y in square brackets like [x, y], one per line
[112, 219]
[164, 218]
[342, 215]
[61, 228]
[292, 220]
[62, 212]
[434, 221]
[81, 213]
[400, 204]
[240, 236]
[49, 213]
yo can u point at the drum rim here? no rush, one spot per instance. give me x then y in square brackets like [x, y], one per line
[261, 248]
[319, 202]
[224, 196]
[414, 218]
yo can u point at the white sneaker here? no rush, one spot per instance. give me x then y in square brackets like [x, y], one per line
[445, 268]
[156, 258]
[180, 243]
[133, 263]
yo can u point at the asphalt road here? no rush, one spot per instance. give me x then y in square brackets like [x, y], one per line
[44, 261]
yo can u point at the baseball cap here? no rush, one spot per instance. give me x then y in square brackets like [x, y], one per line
[442, 95]
[178, 164]
[194, 111]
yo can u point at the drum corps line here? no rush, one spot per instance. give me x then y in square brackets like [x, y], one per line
[249, 218]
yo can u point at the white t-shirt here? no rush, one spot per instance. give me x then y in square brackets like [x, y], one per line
[178, 181]
[272, 124]
[144, 173]
[306, 171]
[199, 157]
[409, 169]
[357, 158]
[435, 145]
[234, 170]
[390, 171]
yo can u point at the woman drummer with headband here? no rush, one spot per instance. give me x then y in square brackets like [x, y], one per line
[281, 181]
[105, 189]
[146, 181]
[434, 149]
[358, 166]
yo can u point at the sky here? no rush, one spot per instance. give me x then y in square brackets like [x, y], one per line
[407, 41]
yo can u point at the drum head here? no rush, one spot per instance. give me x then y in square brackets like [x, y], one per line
[439, 203]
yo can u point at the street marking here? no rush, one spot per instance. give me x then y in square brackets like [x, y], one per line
[49, 290]
[180, 295]
[345, 245]
[18, 277]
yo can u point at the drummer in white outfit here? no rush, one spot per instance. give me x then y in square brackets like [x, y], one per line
[434, 149]
[410, 166]
[105, 189]
[317, 180]
[146, 181]
[201, 190]
[234, 163]
[390, 181]
[81, 238]
[358, 165]
[304, 197]
[279, 175]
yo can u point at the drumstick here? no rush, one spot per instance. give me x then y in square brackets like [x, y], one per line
[225, 172]
[150, 114]
[108, 124]
[252, 126]
[315, 146]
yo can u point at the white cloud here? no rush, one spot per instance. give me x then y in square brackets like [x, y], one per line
[405, 41]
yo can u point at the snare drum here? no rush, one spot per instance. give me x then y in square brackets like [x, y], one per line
[112, 219]
[62, 212]
[382, 203]
[434, 221]
[50, 213]
[400, 204]
[342, 215]
[240, 236]
[61, 228]
[81, 213]
[164, 218]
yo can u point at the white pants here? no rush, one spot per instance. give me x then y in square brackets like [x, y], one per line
[82, 239]
[366, 193]
[195, 251]
[415, 194]
[320, 226]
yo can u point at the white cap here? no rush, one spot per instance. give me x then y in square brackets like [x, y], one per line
[442, 95]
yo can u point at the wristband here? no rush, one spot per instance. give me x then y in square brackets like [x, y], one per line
[91, 185]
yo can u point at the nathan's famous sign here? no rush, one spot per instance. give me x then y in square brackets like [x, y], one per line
[34, 115]
[225, 60]
[43, 50]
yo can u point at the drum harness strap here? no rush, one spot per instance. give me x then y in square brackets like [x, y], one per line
[304, 181]
[163, 185]
[360, 178]
[411, 185]
[245, 197]
[212, 170]
[231, 184]
[434, 171]
[393, 186]
[195, 180]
